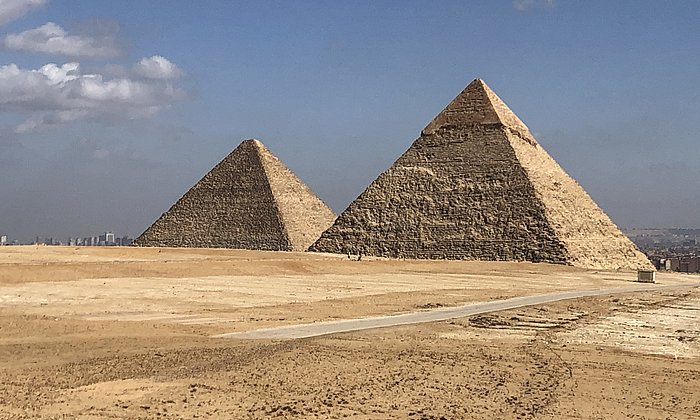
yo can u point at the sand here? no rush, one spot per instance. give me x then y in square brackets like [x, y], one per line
[126, 333]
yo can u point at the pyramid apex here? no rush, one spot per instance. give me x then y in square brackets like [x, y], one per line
[477, 84]
[476, 104]
[254, 144]
[253, 141]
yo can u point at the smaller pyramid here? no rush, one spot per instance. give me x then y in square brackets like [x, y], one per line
[249, 200]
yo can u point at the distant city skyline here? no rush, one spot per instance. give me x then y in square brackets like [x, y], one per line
[104, 239]
[110, 111]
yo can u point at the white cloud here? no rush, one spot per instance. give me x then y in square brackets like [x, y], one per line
[157, 67]
[525, 5]
[54, 95]
[50, 38]
[13, 9]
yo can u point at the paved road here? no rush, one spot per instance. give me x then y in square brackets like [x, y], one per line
[331, 327]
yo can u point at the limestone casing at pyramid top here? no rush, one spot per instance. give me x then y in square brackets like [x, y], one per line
[477, 104]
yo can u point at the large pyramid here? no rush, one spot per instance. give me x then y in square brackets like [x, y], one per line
[249, 200]
[477, 185]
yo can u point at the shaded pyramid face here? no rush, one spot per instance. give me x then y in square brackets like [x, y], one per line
[477, 185]
[249, 200]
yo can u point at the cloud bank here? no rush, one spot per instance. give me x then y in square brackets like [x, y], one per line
[50, 38]
[13, 9]
[56, 95]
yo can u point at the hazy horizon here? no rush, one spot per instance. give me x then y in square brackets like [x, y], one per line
[112, 110]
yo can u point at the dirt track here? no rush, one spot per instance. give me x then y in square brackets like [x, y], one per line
[317, 329]
[67, 349]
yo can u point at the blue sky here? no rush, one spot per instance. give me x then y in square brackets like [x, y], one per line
[337, 90]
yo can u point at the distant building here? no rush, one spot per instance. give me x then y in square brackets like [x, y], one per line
[106, 239]
[659, 263]
[123, 241]
[46, 241]
[694, 265]
[686, 264]
[89, 241]
[689, 264]
[3, 240]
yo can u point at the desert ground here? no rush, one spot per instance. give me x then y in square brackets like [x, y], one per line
[129, 333]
